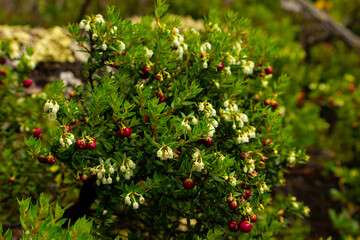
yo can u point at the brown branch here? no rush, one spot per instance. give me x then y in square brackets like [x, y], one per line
[325, 21]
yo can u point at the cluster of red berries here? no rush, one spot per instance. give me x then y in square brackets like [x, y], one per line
[86, 143]
[49, 159]
[244, 225]
[37, 133]
[273, 103]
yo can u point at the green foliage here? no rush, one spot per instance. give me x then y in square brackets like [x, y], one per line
[44, 220]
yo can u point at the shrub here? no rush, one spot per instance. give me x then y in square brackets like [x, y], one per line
[178, 130]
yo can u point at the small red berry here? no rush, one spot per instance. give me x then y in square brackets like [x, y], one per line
[247, 194]
[274, 104]
[203, 54]
[233, 205]
[3, 61]
[39, 136]
[281, 212]
[124, 132]
[91, 145]
[84, 177]
[72, 94]
[145, 71]
[261, 75]
[42, 159]
[11, 179]
[188, 183]
[80, 144]
[261, 164]
[3, 72]
[208, 141]
[36, 131]
[220, 66]
[245, 226]
[269, 70]
[230, 199]
[161, 100]
[176, 151]
[67, 128]
[50, 160]
[73, 121]
[27, 83]
[233, 226]
[253, 174]
[253, 218]
[266, 102]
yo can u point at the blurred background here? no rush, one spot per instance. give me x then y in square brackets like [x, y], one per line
[318, 48]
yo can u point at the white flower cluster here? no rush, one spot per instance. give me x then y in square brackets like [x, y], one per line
[86, 24]
[263, 187]
[204, 55]
[178, 43]
[130, 199]
[164, 153]
[291, 159]
[103, 172]
[185, 122]
[208, 108]
[148, 52]
[51, 107]
[237, 48]
[248, 66]
[66, 140]
[127, 167]
[231, 179]
[244, 137]
[231, 113]
[219, 156]
[198, 164]
[249, 165]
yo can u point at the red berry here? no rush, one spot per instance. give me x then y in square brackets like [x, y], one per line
[266, 102]
[247, 193]
[244, 186]
[261, 75]
[233, 226]
[91, 145]
[253, 174]
[36, 131]
[281, 212]
[3, 72]
[67, 128]
[39, 137]
[42, 159]
[230, 199]
[73, 121]
[50, 160]
[80, 144]
[188, 183]
[145, 71]
[269, 70]
[161, 100]
[233, 205]
[11, 179]
[3, 61]
[274, 104]
[261, 164]
[124, 132]
[203, 54]
[176, 151]
[27, 83]
[245, 226]
[208, 141]
[84, 177]
[253, 218]
[220, 66]
[72, 94]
